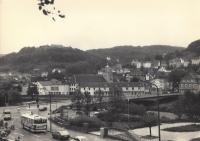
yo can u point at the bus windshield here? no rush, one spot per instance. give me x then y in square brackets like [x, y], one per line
[7, 112]
[39, 121]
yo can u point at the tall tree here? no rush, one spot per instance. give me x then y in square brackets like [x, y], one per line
[77, 98]
[116, 100]
[99, 95]
[159, 58]
[32, 91]
[87, 99]
[175, 77]
[150, 119]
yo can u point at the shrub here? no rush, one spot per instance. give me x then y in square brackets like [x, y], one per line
[92, 122]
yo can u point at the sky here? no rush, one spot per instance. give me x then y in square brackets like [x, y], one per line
[91, 24]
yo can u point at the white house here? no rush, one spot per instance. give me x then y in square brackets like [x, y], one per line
[163, 69]
[161, 83]
[93, 88]
[53, 87]
[134, 89]
[195, 61]
[146, 64]
[136, 63]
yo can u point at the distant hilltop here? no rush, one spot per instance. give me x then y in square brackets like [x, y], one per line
[2, 55]
[77, 61]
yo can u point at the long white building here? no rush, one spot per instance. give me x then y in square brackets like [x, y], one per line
[53, 87]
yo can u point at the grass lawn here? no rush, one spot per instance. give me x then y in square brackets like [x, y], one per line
[186, 128]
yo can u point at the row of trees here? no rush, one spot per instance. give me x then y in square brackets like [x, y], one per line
[9, 93]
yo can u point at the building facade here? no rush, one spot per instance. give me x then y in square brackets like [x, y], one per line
[53, 87]
[190, 83]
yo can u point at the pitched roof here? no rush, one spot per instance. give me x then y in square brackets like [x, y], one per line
[50, 83]
[88, 78]
[95, 84]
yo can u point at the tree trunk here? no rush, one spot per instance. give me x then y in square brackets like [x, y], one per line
[150, 131]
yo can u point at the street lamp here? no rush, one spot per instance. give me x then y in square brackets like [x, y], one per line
[158, 108]
[128, 110]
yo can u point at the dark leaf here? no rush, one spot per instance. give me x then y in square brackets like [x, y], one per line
[40, 7]
[58, 11]
[62, 16]
[53, 18]
[44, 12]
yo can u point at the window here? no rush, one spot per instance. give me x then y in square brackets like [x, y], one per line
[54, 88]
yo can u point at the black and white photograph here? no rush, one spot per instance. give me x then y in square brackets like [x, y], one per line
[99, 70]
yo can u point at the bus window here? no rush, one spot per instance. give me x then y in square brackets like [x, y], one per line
[39, 121]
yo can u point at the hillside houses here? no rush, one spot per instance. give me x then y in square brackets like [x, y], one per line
[130, 80]
[140, 64]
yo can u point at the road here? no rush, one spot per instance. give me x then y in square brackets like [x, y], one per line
[28, 136]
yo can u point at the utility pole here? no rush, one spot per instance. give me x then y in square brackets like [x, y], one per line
[128, 110]
[50, 113]
[158, 108]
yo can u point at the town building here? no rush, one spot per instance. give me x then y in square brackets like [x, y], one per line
[195, 61]
[95, 87]
[136, 63]
[146, 64]
[136, 73]
[53, 87]
[133, 89]
[87, 82]
[163, 69]
[176, 62]
[107, 73]
[156, 64]
[162, 84]
[190, 82]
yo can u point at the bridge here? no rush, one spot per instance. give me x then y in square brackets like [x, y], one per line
[150, 96]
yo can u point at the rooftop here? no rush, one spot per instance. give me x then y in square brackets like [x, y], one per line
[88, 78]
[51, 82]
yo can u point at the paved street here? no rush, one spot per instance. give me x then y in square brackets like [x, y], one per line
[28, 136]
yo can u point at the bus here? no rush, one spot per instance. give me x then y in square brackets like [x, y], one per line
[34, 122]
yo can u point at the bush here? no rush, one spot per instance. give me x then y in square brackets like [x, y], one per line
[92, 122]
[108, 116]
[135, 109]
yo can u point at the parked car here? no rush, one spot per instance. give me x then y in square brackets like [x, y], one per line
[7, 114]
[61, 135]
[42, 108]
